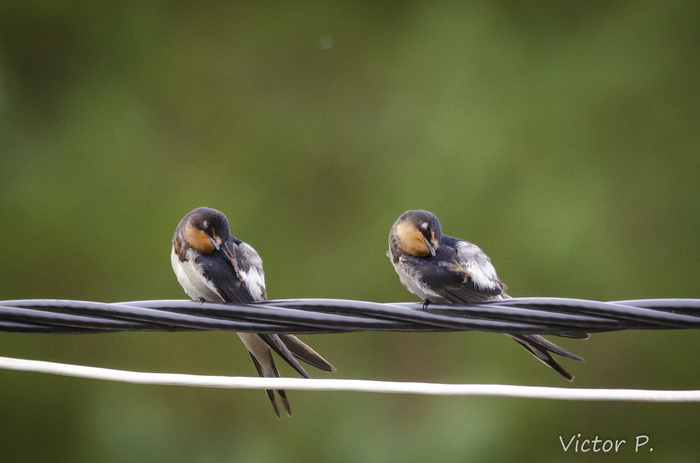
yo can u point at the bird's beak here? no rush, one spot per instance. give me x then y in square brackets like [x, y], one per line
[214, 243]
[430, 248]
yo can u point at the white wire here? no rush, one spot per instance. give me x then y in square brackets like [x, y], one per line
[354, 385]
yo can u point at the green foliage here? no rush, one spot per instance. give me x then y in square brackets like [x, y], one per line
[562, 137]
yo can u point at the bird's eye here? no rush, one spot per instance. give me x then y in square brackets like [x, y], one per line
[205, 224]
[424, 226]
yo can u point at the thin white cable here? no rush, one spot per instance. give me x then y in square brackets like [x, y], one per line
[351, 385]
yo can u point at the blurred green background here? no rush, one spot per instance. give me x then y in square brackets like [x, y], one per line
[562, 137]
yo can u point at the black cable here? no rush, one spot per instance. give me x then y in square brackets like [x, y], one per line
[534, 315]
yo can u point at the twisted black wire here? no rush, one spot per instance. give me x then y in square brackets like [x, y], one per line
[534, 315]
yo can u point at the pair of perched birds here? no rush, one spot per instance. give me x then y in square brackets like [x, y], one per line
[214, 266]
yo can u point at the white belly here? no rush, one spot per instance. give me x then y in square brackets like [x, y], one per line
[192, 279]
[415, 286]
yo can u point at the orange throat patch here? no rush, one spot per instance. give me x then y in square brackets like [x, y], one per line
[411, 239]
[198, 240]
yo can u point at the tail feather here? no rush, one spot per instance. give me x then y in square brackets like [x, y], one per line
[271, 395]
[548, 345]
[305, 353]
[273, 373]
[539, 347]
[289, 348]
[285, 402]
[582, 336]
[276, 344]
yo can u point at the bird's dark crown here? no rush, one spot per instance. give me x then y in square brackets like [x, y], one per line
[418, 233]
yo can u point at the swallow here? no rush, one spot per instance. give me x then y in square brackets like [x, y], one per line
[211, 265]
[442, 269]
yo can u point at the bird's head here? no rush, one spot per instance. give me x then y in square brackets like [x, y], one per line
[205, 230]
[417, 233]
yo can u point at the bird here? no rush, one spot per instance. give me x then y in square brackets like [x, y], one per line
[212, 265]
[442, 269]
